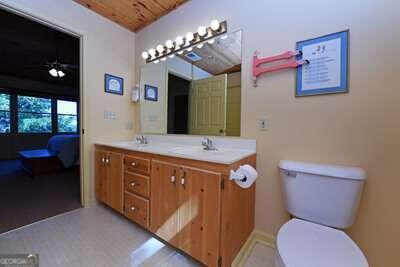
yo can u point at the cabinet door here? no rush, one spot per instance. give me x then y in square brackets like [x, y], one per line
[199, 214]
[164, 201]
[100, 176]
[115, 181]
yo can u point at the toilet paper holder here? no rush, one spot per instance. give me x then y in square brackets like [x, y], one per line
[236, 176]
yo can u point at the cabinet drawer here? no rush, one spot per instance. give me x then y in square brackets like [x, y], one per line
[137, 209]
[137, 164]
[138, 184]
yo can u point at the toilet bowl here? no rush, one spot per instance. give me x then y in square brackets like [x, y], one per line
[323, 199]
[305, 244]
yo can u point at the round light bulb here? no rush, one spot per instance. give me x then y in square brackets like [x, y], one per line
[160, 48]
[61, 73]
[145, 55]
[152, 52]
[189, 36]
[202, 30]
[180, 52]
[53, 72]
[214, 25]
[169, 44]
[179, 40]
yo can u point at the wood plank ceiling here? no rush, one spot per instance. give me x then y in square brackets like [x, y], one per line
[132, 14]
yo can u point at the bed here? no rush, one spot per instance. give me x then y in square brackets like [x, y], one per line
[62, 152]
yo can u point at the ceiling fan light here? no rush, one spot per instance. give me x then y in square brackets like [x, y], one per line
[61, 73]
[53, 72]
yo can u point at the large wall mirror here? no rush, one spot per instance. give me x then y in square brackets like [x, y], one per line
[197, 92]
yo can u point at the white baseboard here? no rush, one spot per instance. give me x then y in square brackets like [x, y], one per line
[255, 237]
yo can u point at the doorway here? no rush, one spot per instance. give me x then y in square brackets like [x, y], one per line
[40, 120]
[178, 105]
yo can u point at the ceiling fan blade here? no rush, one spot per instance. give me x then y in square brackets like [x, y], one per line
[70, 66]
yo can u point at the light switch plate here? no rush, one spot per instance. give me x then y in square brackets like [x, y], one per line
[262, 124]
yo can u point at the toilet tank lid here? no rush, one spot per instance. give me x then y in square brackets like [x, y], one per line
[338, 171]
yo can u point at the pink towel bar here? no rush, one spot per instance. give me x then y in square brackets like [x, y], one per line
[290, 63]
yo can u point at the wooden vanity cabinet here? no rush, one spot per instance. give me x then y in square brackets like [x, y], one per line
[190, 204]
[108, 172]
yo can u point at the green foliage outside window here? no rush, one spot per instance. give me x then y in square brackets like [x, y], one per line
[4, 113]
[34, 114]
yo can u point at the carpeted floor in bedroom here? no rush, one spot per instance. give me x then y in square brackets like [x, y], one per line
[25, 199]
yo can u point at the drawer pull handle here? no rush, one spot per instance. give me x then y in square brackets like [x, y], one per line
[133, 164]
[173, 178]
[107, 160]
[183, 179]
[133, 208]
[103, 160]
[134, 184]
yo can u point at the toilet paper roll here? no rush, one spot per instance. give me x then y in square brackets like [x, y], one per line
[245, 176]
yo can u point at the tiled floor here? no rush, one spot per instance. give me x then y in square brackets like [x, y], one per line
[261, 255]
[97, 236]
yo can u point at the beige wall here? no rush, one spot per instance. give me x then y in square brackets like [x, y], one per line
[107, 48]
[359, 128]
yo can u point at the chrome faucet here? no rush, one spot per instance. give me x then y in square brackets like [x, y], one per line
[208, 144]
[142, 140]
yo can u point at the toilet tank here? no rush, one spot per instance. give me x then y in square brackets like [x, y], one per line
[324, 194]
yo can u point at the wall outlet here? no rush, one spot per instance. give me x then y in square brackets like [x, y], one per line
[263, 124]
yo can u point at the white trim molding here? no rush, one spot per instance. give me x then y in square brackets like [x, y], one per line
[257, 236]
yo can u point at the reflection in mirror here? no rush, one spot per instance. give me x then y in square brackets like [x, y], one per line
[196, 92]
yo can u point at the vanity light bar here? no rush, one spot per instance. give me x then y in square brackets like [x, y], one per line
[180, 44]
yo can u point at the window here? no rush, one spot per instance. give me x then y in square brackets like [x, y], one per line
[34, 114]
[67, 116]
[4, 113]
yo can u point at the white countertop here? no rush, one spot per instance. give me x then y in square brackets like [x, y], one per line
[229, 153]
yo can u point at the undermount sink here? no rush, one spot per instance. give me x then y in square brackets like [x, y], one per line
[194, 151]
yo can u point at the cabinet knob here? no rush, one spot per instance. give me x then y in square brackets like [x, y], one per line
[133, 164]
[133, 208]
[173, 178]
[107, 160]
[133, 184]
[103, 160]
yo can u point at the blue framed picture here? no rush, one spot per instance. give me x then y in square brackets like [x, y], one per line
[327, 71]
[113, 84]
[150, 92]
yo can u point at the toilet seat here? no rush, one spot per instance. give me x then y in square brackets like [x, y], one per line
[305, 244]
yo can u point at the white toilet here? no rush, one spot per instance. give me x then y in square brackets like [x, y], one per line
[323, 199]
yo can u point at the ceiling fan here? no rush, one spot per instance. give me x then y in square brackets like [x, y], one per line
[57, 69]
